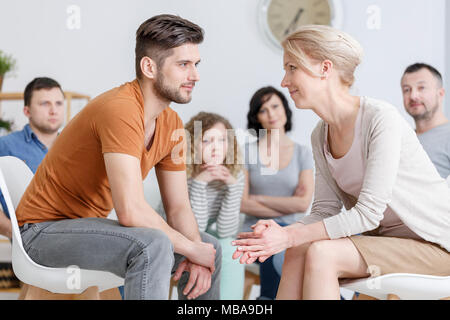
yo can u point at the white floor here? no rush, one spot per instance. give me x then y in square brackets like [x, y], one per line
[9, 295]
[253, 294]
[345, 293]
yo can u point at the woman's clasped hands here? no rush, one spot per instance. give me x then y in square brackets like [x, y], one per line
[267, 239]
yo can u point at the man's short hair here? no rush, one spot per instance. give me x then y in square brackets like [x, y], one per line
[419, 66]
[38, 84]
[157, 36]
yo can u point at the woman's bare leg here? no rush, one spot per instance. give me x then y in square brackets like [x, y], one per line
[291, 283]
[325, 262]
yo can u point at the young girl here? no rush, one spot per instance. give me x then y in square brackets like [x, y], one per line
[216, 183]
[369, 160]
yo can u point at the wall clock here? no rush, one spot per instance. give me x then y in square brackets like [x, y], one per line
[278, 18]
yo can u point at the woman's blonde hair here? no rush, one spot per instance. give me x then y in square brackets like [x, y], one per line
[208, 120]
[320, 42]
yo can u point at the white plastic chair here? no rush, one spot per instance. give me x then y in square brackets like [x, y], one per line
[404, 286]
[14, 179]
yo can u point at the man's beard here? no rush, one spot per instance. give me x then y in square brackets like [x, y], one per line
[427, 114]
[170, 93]
[45, 128]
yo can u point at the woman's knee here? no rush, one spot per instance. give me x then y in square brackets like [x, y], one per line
[295, 254]
[320, 256]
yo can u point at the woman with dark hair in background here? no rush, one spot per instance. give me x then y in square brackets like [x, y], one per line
[279, 180]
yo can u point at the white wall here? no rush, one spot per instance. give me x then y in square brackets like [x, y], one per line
[235, 57]
[447, 63]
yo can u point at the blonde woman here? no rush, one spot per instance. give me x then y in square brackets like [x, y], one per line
[367, 159]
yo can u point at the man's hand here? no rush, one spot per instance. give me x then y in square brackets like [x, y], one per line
[203, 254]
[199, 279]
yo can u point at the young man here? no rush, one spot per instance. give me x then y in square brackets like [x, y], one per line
[44, 108]
[423, 98]
[99, 162]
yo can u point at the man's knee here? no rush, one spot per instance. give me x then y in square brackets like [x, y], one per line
[160, 241]
[158, 247]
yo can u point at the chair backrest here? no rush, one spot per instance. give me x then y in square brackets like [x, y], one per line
[14, 179]
[15, 176]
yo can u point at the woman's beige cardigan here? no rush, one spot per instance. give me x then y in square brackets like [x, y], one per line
[398, 174]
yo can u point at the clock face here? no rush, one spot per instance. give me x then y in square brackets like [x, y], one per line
[285, 16]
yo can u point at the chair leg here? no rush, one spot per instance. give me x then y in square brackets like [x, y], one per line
[23, 291]
[393, 297]
[173, 284]
[90, 293]
[35, 293]
[363, 297]
[250, 280]
[111, 294]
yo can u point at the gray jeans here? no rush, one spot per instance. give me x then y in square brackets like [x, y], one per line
[143, 256]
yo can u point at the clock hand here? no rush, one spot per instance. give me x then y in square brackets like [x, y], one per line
[294, 22]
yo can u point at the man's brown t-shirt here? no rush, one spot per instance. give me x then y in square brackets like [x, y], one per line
[71, 181]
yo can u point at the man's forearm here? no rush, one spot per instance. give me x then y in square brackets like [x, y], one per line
[145, 216]
[183, 220]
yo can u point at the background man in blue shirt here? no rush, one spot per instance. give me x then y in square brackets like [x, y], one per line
[44, 108]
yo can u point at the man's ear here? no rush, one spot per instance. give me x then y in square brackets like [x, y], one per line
[148, 67]
[26, 111]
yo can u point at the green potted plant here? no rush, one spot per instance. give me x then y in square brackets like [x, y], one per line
[7, 64]
[6, 126]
